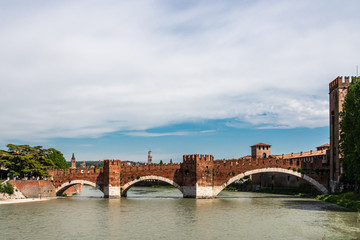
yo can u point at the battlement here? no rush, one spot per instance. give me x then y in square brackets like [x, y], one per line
[198, 157]
[75, 171]
[112, 162]
[150, 167]
[341, 82]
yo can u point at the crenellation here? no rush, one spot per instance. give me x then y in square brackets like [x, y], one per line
[199, 173]
[341, 82]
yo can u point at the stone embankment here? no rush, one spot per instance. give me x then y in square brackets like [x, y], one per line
[34, 188]
[16, 195]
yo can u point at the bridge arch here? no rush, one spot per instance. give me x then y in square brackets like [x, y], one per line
[128, 185]
[62, 188]
[321, 188]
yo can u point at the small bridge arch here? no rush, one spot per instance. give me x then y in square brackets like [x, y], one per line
[62, 188]
[128, 185]
[321, 188]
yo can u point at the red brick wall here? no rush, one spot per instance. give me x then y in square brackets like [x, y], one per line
[200, 169]
[60, 176]
[35, 188]
[74, 189]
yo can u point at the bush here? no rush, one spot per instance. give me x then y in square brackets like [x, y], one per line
[299, 170]
[294, 169]
[231, 189]
[7, 188]
[349, 200]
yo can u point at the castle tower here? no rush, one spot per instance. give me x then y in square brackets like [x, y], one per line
[337, 92]
[73, 161]
[149, 157]
[260, 150]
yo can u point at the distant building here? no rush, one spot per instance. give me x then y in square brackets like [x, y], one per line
[260, 150]
[149, 157]
[308, 157]
[73, 161]
[312, 162]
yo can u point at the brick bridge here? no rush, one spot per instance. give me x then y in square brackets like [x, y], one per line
[198, 176]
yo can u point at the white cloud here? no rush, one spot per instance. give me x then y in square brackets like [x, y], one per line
[163, 134]
[88, 68]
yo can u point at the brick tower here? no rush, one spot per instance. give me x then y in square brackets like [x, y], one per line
[337, 92]
[197, 176]
[73, 161]
[260, 150]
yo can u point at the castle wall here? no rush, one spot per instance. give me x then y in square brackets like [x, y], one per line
[337, 92]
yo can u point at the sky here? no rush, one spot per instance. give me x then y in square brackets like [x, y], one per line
[115, 79]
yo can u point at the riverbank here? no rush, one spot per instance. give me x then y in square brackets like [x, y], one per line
[24, 200]
[292, 192]
[349, 200]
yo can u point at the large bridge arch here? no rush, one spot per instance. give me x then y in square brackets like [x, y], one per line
[59, 190]
[308, 179]
[128, 185]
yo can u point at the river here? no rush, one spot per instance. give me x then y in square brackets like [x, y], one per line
[161, 213]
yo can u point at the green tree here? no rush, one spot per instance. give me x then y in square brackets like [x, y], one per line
[350, 134]
[6, 188]
[27, 161]
[57, 158]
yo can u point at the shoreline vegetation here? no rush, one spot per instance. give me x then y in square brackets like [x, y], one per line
[6, 188]
[348, 200]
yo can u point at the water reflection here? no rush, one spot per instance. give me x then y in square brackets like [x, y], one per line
[161, 213]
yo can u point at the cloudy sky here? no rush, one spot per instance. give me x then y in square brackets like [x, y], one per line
[114, 79]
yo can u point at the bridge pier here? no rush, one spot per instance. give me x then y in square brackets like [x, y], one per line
[198, 192]
[112, 191]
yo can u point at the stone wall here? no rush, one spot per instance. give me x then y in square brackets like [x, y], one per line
[35, 188]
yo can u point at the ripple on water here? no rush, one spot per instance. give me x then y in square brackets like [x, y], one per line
[161, 213]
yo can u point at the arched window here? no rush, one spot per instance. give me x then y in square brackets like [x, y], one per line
[264, 155]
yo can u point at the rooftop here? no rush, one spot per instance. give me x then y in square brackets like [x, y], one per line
[261, 144]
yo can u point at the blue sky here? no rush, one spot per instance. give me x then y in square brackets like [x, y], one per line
[114, 79]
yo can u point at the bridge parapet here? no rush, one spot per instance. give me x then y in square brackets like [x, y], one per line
[198, 157]
[60, 176]
[150, 167]
[68, 171]
[258, 162]
[199, 175]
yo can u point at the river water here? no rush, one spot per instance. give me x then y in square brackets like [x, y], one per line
[162, 213]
